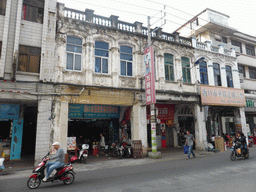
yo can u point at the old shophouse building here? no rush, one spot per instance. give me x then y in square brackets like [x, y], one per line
[229, 58]
[27, 38]
[100, 59]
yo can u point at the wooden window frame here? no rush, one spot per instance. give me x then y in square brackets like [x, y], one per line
[33, 5]
[29, 54]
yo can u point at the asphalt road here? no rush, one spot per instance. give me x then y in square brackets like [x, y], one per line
[210, 173]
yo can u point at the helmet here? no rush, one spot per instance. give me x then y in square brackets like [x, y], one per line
[73, 159]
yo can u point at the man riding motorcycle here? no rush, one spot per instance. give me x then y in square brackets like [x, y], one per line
[242, 139]
[60, 158]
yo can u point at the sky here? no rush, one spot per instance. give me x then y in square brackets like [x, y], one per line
[242, 12]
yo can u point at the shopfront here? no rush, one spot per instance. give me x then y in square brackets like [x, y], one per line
[88, 121]
[164, 126]
[11, 130]
[223, 110]
[250, 113]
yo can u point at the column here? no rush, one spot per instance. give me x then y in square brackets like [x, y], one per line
[200, 128]
[60, 124]
[89, 65]
[210, 72]
[115, 61]
[240, 119]
[44, 131]
[139, 125]
[235, 75]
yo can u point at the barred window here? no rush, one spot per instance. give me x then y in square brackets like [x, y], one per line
[74, 53]
[252, 72]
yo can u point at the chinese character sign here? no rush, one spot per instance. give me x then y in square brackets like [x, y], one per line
[222, 96]
[149, 76]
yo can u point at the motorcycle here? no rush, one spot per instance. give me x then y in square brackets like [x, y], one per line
[64, 173]
[237, 152]
[127, 150]
[83, 154]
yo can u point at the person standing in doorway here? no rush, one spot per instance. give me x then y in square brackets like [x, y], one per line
[190, 142]
[102, 144]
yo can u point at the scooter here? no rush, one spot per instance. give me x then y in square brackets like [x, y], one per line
[83, 154]
[237, 152]
[127, 150]
[64, 173]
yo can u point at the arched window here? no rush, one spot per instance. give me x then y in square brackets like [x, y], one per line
[126, 60]
[203, 73]
[229, 76]
[101, 57]
[186, 69]
[216, 72]
[168, 65]
[74, 53]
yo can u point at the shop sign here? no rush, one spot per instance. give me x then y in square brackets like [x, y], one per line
[250, 103]
[93, 111]
[165, 111]
[149, 76]
[9, 111]
[222, 96]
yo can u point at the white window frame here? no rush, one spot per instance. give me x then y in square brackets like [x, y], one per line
[101, 58]
[74, 55]
[126, 61]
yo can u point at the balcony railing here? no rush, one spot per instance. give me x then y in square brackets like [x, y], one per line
[113, 22]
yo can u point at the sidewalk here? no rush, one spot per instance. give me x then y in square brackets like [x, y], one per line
[26, 166]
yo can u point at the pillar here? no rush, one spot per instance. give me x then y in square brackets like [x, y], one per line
[60, 124]
[240, 119]
[43, 132]
[200, 128]
[139, 125]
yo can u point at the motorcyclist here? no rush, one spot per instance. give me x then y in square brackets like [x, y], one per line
[242, 139]
[60, 158]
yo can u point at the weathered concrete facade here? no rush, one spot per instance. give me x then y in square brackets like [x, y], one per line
[90, 28]
[20, 34]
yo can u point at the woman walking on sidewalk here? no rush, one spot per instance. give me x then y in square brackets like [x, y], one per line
[189, 142]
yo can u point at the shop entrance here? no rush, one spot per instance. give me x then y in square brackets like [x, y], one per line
[90, 130]
[29, 131]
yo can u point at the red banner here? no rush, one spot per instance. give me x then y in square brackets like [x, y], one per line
[149, 76]
[165, 111]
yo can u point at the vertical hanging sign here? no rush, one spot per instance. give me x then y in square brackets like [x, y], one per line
[149, 76]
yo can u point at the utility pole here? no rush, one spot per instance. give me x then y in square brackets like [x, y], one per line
[154, 153]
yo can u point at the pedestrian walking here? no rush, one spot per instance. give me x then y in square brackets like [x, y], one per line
[190, 142]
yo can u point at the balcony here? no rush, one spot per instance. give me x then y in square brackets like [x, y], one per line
[113, 22]
[207, 46]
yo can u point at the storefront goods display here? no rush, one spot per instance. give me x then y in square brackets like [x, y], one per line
[71, 143]
[137, 149]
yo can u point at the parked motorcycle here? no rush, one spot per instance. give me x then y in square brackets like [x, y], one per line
[83, 153]
[127, 150]
[64, 173]
[237, 152]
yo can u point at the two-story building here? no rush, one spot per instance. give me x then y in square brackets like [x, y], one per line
[100, 61]
[223, 102]
[27, 39]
